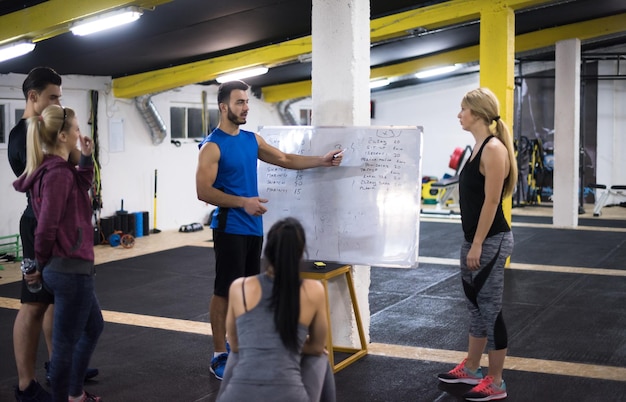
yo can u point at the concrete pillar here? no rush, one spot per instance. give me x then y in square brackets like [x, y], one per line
[566, 134]
[341, 62]
[341, 97]
[611, 148]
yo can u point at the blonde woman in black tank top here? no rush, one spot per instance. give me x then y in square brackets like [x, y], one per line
[486, 178]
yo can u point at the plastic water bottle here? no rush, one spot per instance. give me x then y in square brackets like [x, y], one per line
[29, 266]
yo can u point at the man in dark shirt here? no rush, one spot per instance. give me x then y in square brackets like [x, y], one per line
[42, 87]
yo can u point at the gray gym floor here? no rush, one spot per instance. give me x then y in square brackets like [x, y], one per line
[565, 294]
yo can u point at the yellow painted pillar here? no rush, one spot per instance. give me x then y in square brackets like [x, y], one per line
[497, 64]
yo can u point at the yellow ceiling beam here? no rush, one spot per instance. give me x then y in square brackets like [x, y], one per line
[531, 41]
[396, 25]
[465, 55]
[206, 70]
[585, 30]
[440, 15]
[53, 17]
[293, 90]
[523, 43]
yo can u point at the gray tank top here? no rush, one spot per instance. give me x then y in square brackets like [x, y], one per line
[263, 358]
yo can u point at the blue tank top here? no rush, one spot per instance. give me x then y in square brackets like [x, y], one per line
[236, 175]
[472, 198]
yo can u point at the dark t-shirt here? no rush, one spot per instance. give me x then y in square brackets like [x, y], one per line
[17, 156]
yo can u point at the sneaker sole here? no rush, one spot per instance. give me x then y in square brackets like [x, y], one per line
[487, 398]
[213, 372]
[467, 381]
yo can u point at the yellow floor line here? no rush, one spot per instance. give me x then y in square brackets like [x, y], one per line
[511, 362]
[457, 220]
[168, 324]
[570, 270]
[138, 320]
[534, 267]
[379, 349]
[588, 228]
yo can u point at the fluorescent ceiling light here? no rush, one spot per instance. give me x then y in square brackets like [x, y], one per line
[16, 49]
[305, 58]
[105, 21]
[379, 83]
[241, 74]
[436, 71]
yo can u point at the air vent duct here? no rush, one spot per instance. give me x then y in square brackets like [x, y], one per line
[285, 113]
[148, 111]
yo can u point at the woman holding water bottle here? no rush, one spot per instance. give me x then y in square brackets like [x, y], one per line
[64, 244]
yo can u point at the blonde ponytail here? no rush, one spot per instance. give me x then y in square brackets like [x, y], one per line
[42, 134]
[34, 150]
[503, 134]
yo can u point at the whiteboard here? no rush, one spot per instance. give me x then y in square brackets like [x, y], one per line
[365, 211]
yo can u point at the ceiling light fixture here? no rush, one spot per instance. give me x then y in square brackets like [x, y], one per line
[105, 21]
[379, 83]
[16, 49]
[241, 74]
[305, 58]
[436, 71]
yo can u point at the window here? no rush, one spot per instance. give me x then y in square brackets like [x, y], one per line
[3, 125]
[11, 111]
[306, 116]
[186, 122]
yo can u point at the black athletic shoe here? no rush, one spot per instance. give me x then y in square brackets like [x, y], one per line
[91, 372]
[34, 393]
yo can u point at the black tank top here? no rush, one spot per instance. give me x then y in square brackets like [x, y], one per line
[472, 198]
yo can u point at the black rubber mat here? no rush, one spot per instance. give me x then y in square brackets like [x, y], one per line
[168, 283]
[566, 247]
[594, 222]
[385, 379]
[544, 246]
[539, 309]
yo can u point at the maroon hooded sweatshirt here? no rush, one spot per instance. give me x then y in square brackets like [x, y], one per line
[60, 197]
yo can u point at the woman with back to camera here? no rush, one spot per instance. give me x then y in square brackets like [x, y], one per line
[276, 326]
[486, 178]
[64, 244]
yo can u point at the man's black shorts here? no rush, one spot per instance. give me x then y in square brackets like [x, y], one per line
[235, 256]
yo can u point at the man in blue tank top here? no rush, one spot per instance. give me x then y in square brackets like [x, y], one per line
[227, 178]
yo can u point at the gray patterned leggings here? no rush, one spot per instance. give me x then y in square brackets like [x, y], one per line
[484, 287]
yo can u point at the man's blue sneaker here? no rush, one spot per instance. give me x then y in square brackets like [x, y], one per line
[91, 372]
[218, 364]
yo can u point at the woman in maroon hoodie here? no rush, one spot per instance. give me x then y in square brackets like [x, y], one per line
[64, 243]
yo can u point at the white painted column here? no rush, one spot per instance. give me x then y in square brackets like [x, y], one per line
[566, 133]
[341, 97]
[611, 148]
[341, 63]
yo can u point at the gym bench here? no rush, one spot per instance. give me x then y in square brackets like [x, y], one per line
[601, 201]
[448, 190]
[10, 245]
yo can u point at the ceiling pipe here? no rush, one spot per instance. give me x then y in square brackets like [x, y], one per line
[284, 111]
[152, 118]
